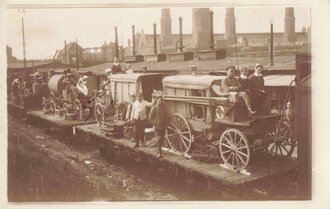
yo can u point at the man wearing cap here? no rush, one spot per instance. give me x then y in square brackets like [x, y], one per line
[139, 118]
[231, 84]
[116, 68]
[257, 86]
[159, 117]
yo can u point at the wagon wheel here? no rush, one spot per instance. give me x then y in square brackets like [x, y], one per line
[45, 104]
[178, 134]
[52, 104]
[284, 142]
[99, 113]
[65, 109]
[234, 149]
[78, 108]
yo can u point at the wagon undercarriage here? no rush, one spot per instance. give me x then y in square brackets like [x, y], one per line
[236, 144]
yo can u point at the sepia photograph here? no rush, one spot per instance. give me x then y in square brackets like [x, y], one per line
[163, 102]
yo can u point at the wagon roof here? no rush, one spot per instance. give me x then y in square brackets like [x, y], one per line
[278, 80]
[133, 77]
[190, 81]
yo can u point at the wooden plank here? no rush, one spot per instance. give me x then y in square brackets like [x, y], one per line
[212, 171]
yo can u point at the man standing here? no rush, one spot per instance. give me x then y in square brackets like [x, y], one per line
[231, 84]
[139, 118]
[159, 117]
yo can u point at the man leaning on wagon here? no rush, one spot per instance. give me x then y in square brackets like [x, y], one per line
[139, 118]
[231, 84]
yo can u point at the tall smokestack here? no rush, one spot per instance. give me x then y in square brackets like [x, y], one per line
[133, 39]
[289, 25]
[211, 31]
[155, 39]
[116, 43]
[166, 27]
[230, 25]
[180, 25]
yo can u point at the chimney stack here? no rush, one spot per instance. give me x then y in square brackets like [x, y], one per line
[133, 39]
[155, 39]
[116, 43]
[230, 27]
[180, 25]
[211, 31]
[289, 25]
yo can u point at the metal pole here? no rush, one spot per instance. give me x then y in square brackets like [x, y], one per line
[181, 44]
[24, 54]
[116, 43]
[211, 31]
[155, 39]
[236, 45]
[65, 52]
[133, 39]
[271, 45]
[77, 54]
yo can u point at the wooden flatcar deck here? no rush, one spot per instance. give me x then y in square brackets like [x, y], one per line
[52, 119]
[259, 170]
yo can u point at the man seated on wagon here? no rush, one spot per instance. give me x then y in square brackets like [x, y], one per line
[257, 88]
[231, 84]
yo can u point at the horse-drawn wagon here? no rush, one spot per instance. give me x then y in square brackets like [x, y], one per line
[113, 99]
[220, 124]
[65, 98]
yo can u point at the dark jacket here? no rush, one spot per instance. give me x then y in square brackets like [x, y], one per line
[116, 69]
[159, 116]
[230, 82]
[256, 82]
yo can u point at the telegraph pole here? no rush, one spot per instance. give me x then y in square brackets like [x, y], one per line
[24, 53]
[77, 54]
[271, 44]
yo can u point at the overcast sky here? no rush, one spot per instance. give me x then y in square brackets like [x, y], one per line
[46, 29]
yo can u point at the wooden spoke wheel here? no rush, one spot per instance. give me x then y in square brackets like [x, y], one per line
[78, 109]
[178, 134]
[284, 142]
[234, 149]
[99, 113]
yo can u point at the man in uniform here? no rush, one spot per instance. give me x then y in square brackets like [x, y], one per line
[159, 117]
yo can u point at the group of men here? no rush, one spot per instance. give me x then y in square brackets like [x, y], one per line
[250, 88]
[158, 117]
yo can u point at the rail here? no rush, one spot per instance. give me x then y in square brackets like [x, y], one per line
[197, 100]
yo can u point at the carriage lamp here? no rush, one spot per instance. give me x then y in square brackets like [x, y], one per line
[193, 69]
